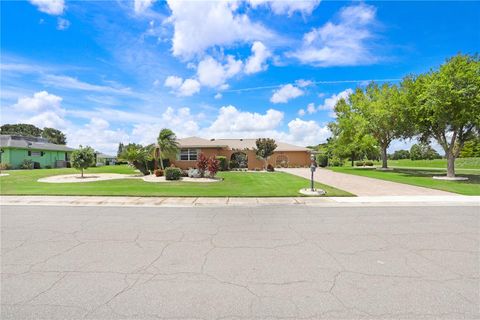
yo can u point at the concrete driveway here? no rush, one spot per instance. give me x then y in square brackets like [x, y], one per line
[239, 263]
[364, 186]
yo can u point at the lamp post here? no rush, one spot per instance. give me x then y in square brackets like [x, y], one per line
[313, 167]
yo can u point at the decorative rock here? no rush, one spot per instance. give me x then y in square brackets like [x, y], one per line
[309, 192]
[450, 178]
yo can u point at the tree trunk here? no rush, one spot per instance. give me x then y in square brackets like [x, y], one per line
[450, 165]
[82, 172]
[161, 161]
[353, 158]
[384, 157]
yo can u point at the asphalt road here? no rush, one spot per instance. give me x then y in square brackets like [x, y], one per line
[240, 263]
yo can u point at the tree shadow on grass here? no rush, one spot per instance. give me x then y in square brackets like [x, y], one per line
[423, 173]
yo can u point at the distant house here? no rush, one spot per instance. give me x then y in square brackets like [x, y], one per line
[103, 159]
[239, 151]
[15, 149]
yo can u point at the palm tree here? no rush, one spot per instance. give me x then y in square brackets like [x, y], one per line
[167, 145]
[137, 156]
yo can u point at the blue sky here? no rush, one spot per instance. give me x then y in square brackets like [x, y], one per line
[111, 71]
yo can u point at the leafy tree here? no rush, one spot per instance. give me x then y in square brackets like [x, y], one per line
[213, 166]
[471, 148]
[265, 148]
[202, 164]
[350, 138]
[167, 145]
[400, 154]
[444, 104]
[21, 129]
[54, 136]
[380, 107]
[137, 156]
[82, 158]
[416, 152]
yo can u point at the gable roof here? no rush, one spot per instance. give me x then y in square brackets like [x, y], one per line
[13, 141]
[234, 144]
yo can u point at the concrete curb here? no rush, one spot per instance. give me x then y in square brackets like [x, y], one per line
[243, 202]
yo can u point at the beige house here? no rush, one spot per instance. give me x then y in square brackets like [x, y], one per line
[239, 151]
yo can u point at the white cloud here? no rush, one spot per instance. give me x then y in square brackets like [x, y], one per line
[218, 96]
[49, 119]
[328, 104]
[62, 24]
[286, 93]
[199, 25]
[302, 83]
[140, 6]
[213, 74]
[41, 101]
[288, 7]
[230, 121]
[53, 7]
[73, 83]
[182, 87]
[306, 133]
[256, 62]
[344, 43]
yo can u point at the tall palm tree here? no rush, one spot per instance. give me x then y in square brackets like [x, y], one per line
[167, 145]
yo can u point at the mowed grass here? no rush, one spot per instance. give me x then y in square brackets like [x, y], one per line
[235, 184]
[461, 164]
[421, 177]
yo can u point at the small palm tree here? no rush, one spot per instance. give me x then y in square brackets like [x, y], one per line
[137, 156]
[167, 145]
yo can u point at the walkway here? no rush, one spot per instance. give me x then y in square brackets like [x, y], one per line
[363, 186]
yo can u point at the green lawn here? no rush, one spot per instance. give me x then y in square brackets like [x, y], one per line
[461, 164]
[420, 177]
[235, 184]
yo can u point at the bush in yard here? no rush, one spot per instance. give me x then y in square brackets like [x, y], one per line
[173, 173]
[270, 168]
[336, 162]
[359, 163]
[213, 167]
[4, 166]
[185, 173]
[369, 163]
[202, 164]
[82, 158]
[233, 164]
[26, 164]
[48, 167]
[223, 163]
[322, 160]
[158, 173]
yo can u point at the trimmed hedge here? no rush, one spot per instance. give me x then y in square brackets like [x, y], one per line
[223, 165]
[173, 173]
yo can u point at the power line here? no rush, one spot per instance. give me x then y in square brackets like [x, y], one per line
[312, 82]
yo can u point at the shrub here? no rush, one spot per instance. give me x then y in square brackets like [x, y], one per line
[270, 168]
[36, 165]
[26, 164]
[322, 160]
[185, 173]
[202, 164]
[48, 167]
[172, 173]
[158, 173]
[213, 167]
[233, 164]
[223, 166]
[359, 163]
[4, 166]
[369, 163]
[336, 162]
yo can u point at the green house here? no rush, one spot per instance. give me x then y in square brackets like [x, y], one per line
[15, 149]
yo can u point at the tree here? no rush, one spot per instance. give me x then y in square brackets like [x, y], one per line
[444, 104]
[54, 136]
[21, 129]
[400, 154]
[120, 149]
[82, 158]
[350, 138]
[137, 156]
[167, 145]
[265, 148]
[202, 164]
[381, 108]
[416, 152]
[471, 148]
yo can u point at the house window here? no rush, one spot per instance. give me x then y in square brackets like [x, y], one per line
[35, 153]
[188, 154]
